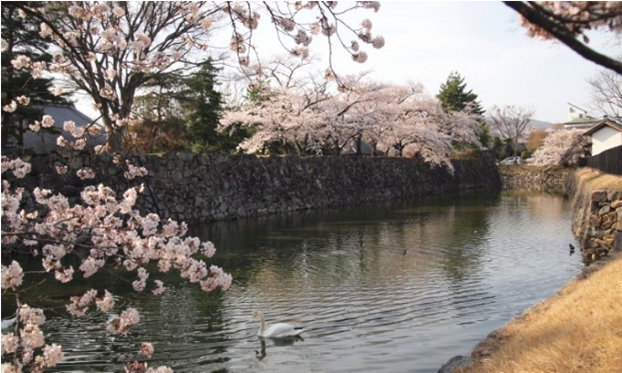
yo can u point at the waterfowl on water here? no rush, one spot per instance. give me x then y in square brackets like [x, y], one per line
[278, 330]
[7, 323]
[571, 248]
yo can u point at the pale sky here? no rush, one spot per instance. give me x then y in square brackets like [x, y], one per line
[425, 41]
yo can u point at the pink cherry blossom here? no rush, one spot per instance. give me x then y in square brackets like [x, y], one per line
[146, 349]
[12, 276]
[52, 355]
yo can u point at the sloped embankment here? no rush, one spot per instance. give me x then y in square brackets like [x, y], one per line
[580, 328]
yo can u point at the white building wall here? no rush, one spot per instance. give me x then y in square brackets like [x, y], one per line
[605, 139]
[576, 113]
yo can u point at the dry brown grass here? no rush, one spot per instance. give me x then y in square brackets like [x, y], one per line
[597, 180]
[577, 331]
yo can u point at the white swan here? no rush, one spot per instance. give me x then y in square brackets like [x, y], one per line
[7, 323]
[279, 330]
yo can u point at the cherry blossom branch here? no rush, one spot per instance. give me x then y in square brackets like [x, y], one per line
[533, 13]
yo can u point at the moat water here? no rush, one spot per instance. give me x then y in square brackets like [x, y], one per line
[389, 287]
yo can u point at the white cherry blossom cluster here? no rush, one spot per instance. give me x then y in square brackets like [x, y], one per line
[133, 171]
[561, 147]
[102, 230]
[575, 17]
[12, 276]
[28, 347]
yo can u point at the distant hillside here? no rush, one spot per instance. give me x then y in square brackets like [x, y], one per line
[533, 125]
[540, 124]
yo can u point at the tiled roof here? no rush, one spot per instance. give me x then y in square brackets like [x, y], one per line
[606, 122]
[45, 142]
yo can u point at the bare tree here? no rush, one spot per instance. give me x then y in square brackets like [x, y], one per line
[606, 93]
[511, 121]
[567, 22]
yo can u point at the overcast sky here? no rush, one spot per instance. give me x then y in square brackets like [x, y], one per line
[425, 41]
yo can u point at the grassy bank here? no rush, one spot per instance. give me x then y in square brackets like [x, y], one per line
[596, 180]
[579, 330]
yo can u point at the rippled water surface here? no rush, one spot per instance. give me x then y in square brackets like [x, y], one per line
[394, 287]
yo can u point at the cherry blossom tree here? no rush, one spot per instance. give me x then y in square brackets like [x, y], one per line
[568, 21]
[284, 119]
[111, 49]
[389, 118]
[562, 148]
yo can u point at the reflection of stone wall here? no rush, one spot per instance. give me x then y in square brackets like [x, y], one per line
[597, 212]
[543, 179]
[199, 187]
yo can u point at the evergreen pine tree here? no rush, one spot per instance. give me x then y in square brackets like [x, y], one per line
[455, 97]
[203, 105]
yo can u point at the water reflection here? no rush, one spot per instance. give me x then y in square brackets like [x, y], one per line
[399, 286]
[275, 342]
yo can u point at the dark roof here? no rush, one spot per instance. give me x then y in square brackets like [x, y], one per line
[45, 142]
[606, 122]
[581, 123]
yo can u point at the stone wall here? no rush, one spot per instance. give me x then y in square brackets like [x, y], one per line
[597, 212]
[544, 179]
[194, 187]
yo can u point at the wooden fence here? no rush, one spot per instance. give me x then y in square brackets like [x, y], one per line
[609, 161]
